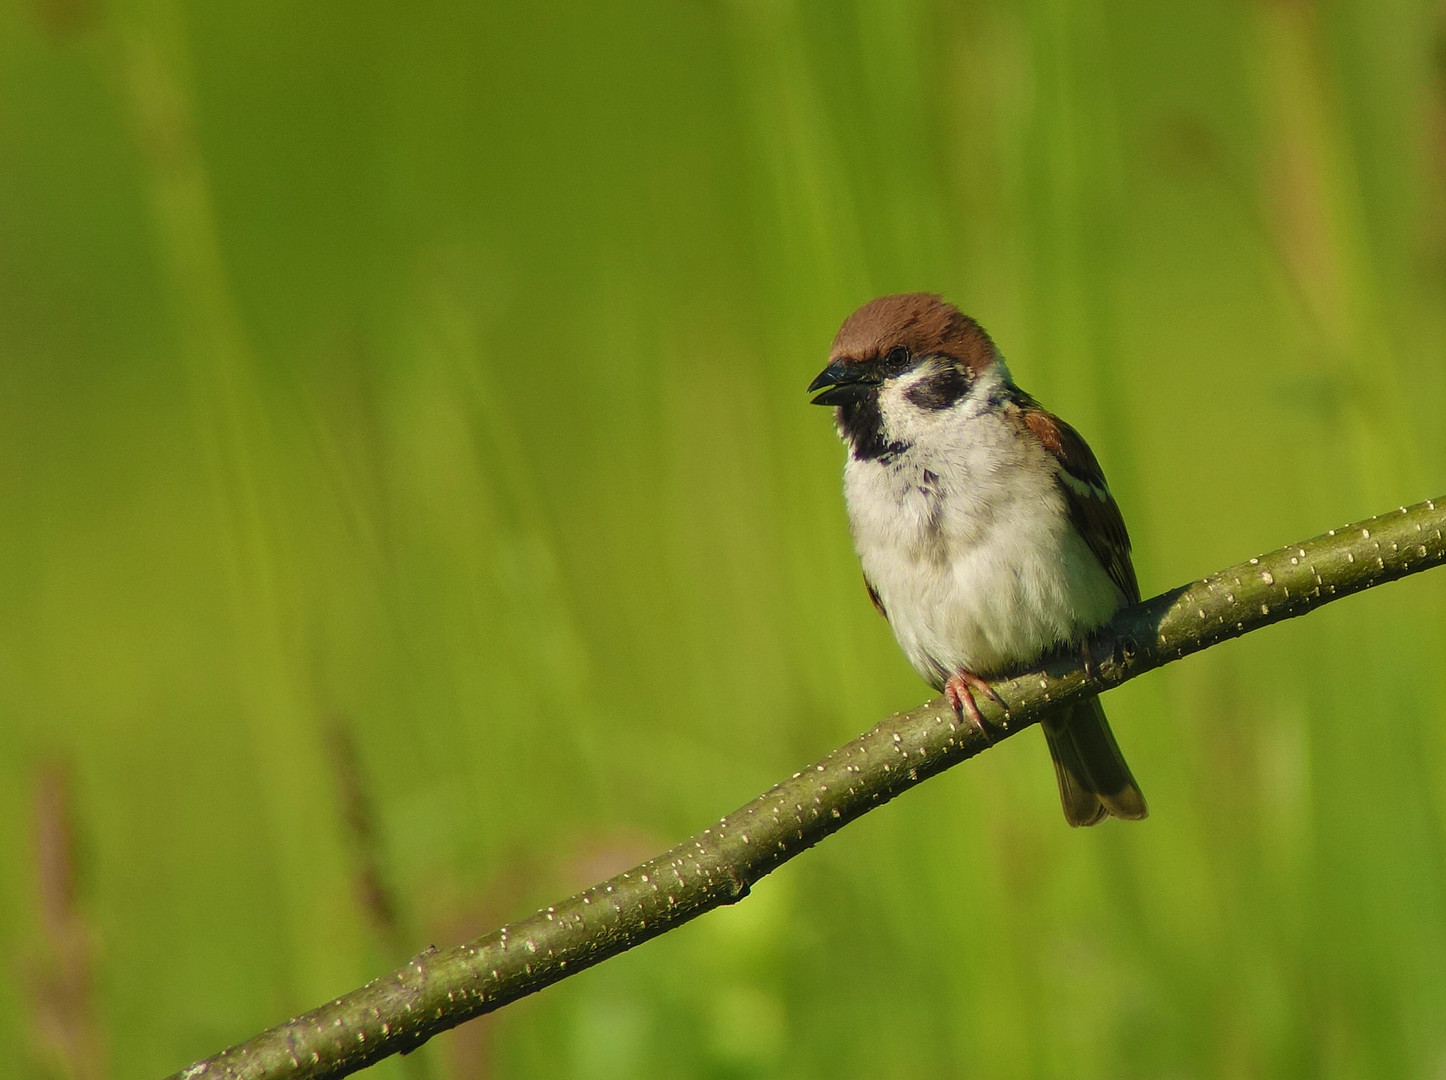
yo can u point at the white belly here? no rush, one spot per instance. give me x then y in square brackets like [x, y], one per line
[974, 560]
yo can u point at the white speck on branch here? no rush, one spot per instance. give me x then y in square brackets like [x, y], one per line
[399, 1011]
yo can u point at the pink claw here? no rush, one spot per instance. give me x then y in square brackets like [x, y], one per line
[960, 691]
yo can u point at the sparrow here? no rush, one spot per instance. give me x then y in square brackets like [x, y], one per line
[983, 523]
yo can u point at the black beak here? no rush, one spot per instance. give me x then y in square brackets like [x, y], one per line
[842, 383]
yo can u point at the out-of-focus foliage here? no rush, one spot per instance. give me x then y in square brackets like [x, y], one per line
[406, 478]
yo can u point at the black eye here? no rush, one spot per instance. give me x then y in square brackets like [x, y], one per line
[898, 358]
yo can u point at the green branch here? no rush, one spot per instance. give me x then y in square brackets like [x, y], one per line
[440, 989]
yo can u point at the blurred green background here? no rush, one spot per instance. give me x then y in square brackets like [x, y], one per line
[410, 512]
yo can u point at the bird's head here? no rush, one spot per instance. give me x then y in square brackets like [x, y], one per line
[900, 365]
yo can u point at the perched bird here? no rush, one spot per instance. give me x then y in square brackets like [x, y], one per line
[985, 529]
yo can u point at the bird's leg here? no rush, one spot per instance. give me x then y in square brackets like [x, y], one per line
[960, 691]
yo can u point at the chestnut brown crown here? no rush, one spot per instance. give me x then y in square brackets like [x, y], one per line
[922, 323]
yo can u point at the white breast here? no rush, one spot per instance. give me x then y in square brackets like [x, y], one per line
[966, 538]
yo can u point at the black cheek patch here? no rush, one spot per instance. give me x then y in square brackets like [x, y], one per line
[939, 390]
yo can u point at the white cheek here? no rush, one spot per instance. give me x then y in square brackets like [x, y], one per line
[906, 422]
[896, 407]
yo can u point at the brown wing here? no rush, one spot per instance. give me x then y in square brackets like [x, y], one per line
[1091, 506]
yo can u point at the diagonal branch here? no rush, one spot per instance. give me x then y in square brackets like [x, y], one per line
[440, 989]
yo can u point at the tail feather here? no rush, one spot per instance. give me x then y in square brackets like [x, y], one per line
[1094, 781]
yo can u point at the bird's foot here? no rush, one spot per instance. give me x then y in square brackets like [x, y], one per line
[1103, 651]
[960, 690]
